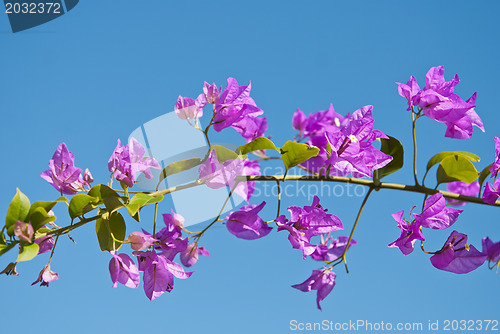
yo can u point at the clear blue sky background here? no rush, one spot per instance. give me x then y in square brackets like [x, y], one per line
[97, 73]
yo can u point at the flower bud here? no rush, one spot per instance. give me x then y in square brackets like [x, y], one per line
[190, 255]
[140, 241]
[87, 176]
[23, 231]
[211, 93]
[174, 218]
[46, 276]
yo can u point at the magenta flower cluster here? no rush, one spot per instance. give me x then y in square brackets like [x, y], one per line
[304, 224]
[128, 160]
[456, 255]
[491, 193]
[232, 107]
[438, 101]
[63, 175]
[345, 143]
[217, 175]
[155, 257]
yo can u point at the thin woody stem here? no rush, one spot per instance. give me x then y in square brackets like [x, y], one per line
[174, 189]
[198, 236]
[74, 226]
[369, 183]
[154, 219]
[53, 248]
[354, 228]
[279, 199]
[422, 247]
[205, 132]
[338, 179]
[414, 120]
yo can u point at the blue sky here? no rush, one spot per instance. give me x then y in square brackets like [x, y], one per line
[107, 67]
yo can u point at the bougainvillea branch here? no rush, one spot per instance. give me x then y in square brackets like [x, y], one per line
[328, 147]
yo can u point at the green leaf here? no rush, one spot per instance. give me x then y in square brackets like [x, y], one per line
[27, 252]
[81, 204]
[456, 168]
[113, 203]
[47, 206]
[484, 174]
[18, 210]
[394, 148]
[328, 150]
[140, 200]
[178, 166]
[224, 154]
[61, 199]
[102, 191]
[106, 196]
[5, 248]
[42, 232]
[115, 226]
[259, 143]
[296, 153]
[440, 156]
[40, 217]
